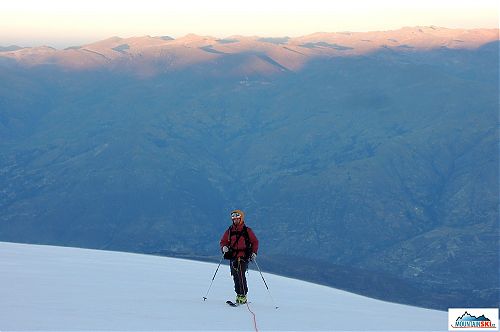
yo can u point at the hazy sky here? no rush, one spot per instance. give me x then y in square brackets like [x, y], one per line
[74, 22]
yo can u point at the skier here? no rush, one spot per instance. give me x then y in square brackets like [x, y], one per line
[240, 245]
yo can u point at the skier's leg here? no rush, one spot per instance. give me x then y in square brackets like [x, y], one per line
[236, 276]
[243, 276]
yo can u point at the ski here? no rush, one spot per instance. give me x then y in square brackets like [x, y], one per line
[232, 304]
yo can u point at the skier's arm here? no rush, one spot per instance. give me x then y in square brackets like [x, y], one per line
[253, 240]
[224, 240]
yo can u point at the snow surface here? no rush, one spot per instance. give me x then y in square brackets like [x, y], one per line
[59, 288]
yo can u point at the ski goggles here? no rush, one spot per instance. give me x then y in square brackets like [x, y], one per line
[235, 215]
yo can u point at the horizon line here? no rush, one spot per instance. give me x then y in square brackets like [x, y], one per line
[98, 39]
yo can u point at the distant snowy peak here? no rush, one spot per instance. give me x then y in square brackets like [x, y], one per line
[147, 54]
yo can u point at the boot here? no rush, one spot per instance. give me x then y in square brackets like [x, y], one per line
[241, 299]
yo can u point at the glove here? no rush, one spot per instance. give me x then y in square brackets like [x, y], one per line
[253, 256]
[225, 249]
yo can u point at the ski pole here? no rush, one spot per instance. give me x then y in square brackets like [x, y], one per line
[265, 283]
[205, 297]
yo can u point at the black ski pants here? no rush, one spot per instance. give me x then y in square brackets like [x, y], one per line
[238, 271]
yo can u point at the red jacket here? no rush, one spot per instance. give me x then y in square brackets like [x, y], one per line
[230, 236]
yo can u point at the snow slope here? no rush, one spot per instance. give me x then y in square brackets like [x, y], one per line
[57, 288]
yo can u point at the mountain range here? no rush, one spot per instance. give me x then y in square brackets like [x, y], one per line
[364, 161]
[243, 55]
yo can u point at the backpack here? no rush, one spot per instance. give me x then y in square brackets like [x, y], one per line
[248, 245]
